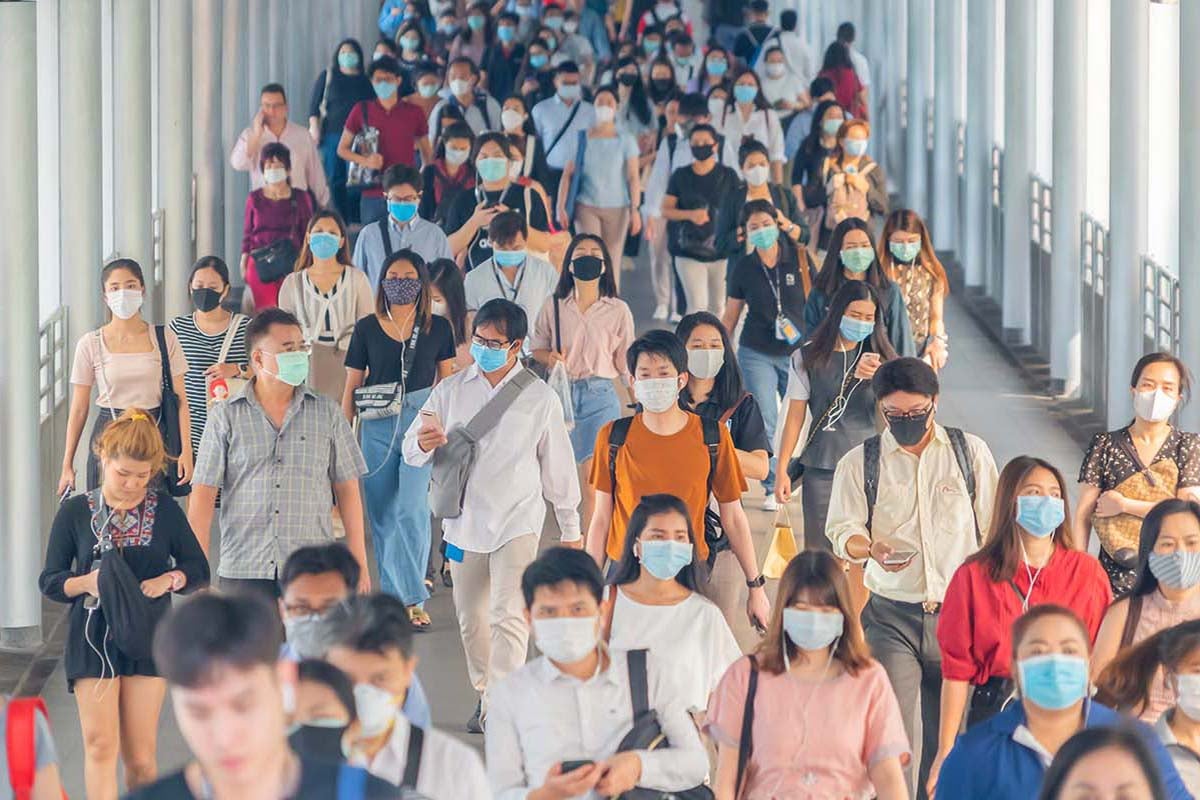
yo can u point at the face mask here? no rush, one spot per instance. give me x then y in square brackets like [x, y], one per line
[745, 94]
[717, 68]
[656, 394]
[304, 635]
[275, 175]
[456, 156]
[206, 299]
[402, 212]
[377, 709]
[764, 238]
[587, 268]
[348, 60]
[570, 27]
[660, 86]
[702, 152]
[1155, 406]
[410, 43]
[569, 91]
[627, 79]
[401, 291]
[855, 330]
[427, 89]
[492, 169]
[124, 303]
[683, 62]
[1188, 695]
[477, 22]
[487, 359]
[909, 430]
[437, 307]
[508, 258]
[379, 54]
[605, 114]
[705, 364]
[511, 119]
[855, 147]
[293, 368]
[538, 60]
[320, 740]
[1040, 516]
[757, 176]
[664, 559]
[716, 106]
[858, 259]
[831, 126]
[565, 639]
[324, 245]
[514, 170]
[651, 46]
[448, 29]
[384, 90]
[1054, 681]
[1178, 570]
[553, 23]
[905, 252]
[460, 87]
[775, 71]
[812, 630]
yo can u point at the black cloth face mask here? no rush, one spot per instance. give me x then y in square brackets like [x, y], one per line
[909, 430]
[587, 268]
[206, 299]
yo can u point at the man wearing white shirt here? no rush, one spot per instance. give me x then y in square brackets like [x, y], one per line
[558, 120]
[520, 464]
[271, 124]
[370, 639]
[575, 702]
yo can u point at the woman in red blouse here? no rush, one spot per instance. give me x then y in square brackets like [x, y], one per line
[1026, 561]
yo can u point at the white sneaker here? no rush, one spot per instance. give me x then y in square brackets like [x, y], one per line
[770, 503]
[660, 311]
[675, 316]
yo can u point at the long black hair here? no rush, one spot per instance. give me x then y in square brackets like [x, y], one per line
[760, 100]
[1144, 581]
[639, 104]
[811, 142]
[446, 276]
[356, 47]
[832, 276]
[727, 388]
[820, 345]
[837, 55]
[566, 281]
[488, 31]
[651, 505]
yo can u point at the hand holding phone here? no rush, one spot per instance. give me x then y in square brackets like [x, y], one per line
[571, 766]
[431, 435]
[899, 557]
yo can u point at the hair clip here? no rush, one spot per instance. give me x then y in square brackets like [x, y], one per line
[140, 415]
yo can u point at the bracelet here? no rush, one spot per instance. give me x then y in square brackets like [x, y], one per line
[758, 582]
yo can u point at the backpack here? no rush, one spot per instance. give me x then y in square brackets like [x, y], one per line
[844, 201]
[20, 740]
[958, 442]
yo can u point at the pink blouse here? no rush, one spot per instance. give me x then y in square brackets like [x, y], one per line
[124, 380]
[812, 741]
[595, 341]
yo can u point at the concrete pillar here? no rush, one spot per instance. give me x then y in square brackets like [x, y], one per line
[20, 453]
[235, 116]
[131, 155]
[299, 37]
[920, 46]
[207, 157]
[258, 62]
[1019, 44]
[945, 124]
[1128, 189]
[175, 153]
[81, 163]
[981, 114]
[1068, 183]
[1189, 203]
[277, 17]
[874, 44]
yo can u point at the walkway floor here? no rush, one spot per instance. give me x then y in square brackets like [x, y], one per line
[982, 392]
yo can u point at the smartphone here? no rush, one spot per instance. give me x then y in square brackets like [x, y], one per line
[571, 766]
[900, 557]
[62, 498]
[431, 419]
[873, 357]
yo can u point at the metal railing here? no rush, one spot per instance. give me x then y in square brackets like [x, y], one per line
[53, 364]
[995, 282]
[1093, 321]
[1160, 307]
[1040, 247]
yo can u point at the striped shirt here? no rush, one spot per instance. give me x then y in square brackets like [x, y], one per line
[202, 351]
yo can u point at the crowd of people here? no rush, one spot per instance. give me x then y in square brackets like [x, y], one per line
[432, 351]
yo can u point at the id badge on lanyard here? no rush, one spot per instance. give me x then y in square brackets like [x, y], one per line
[785, 330]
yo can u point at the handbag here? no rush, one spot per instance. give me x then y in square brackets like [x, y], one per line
[130, 615]
[233, 386]
[365, 143]
[168, 421]
[689, 240]
[783, 547]
[275, 261]
[384, 400]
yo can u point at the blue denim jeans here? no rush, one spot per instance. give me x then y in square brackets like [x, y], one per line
[766, 378]
[397, 500]
[595, 405]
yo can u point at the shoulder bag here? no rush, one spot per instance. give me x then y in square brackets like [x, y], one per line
[235, 386]
[385, 400]
[276, 260]
[168, 421]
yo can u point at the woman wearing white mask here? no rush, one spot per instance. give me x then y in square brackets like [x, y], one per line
[601, 186]
[756, 184]
[1126, 471]
[1164, 593]
[1125, 685]
[449, 175]
[784, 91]
[274, 214]
[124, 361]
[656, 606]
[824, 721]
[748, 115]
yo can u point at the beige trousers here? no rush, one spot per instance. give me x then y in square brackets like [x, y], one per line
[491, 610]
[610, 224]
[703, 284]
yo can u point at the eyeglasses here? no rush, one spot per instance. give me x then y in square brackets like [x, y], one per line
[410, 198]
[490, 344]
[920, 412]
[290, 348]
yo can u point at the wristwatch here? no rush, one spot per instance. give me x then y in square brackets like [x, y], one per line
[758, 582]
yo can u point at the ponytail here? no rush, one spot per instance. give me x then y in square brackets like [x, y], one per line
[133, 435]
[1125, 683]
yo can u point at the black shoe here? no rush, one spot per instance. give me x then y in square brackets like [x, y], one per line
[475, 723]
[447, 581]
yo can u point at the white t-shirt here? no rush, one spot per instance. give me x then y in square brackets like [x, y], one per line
[692, 637]
[861, 68]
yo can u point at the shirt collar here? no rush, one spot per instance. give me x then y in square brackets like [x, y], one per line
[1163, 729]
[474, 373]
[401, 227]
[546, 672]
[247, 395]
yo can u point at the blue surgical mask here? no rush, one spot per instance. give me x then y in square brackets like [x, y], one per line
[488, 360]
[812, 630]
[664, 559]
[384, 90]
[855, 330]
[1054, 681]
[745, 94]
[764, 238]
[858, 259]
[905, 252]
[651, 46]
[538, 60]
[492, 169]
[476, 23]
[553, 23]
[1177, 570]
[1040, 516]
[508, 258]
[831, 126]
[569, 91]
[717, 68]
[348, 60]
[324, 245]
[402, 212]
[855, 147]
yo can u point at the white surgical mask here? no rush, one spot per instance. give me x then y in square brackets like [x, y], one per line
[757, 176]
[605, 114]
[124, 303]
[775, 70]
[1189, 695]
[437, 307]
[511, 119]
[514, 170]
[377, 708]
[705, 363]
[460, 87]
[456, 156]
[566, 639]
[812, 630]
[716, 107]
[304, 635]
[275, 175]
[1155, 406]
[656, 394]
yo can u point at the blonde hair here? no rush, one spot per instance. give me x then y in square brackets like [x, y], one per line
[133, 435]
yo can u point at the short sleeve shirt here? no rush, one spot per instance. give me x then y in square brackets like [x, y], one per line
[767, 294]
[125, 380]
[745, 424]
[677, 464]
[372, 349]
[399, 130]
[514, 198]
[604, 183]
[1110, 461]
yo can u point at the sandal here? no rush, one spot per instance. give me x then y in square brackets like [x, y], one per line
[419, 618]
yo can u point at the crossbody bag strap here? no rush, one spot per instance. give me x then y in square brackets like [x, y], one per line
[746, 741]
[488, 417]
[729, 412]
[557, 327]
[563, 130]
[351, 783]
[161, 335]
[230, 335]
[412, 763]
[871, 457]
[639, 688]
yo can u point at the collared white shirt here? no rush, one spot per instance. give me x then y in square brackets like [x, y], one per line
[922, 505]
[762, 125]
[549, 117]
[539, 716]
[450, 770]
[862, 68]
[306, 171]
[520, 464]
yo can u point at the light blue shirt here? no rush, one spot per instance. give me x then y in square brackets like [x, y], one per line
[550, 115]
[534, 283]
[604, 183]
[419, 235]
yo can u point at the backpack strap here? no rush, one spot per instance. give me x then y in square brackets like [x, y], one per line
[352, 782]
[616, 437]
[639, 686]
[871, 475]
[20, 738]
[746, 741]
[672, 141]
[1132, 617]
[725, 417]
[481, 104]
[412, 763]
[958, 442]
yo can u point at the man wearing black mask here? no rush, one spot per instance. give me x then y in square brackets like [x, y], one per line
[912, 504]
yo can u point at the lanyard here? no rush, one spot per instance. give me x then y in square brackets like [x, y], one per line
[775, 284]
[516, 290]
